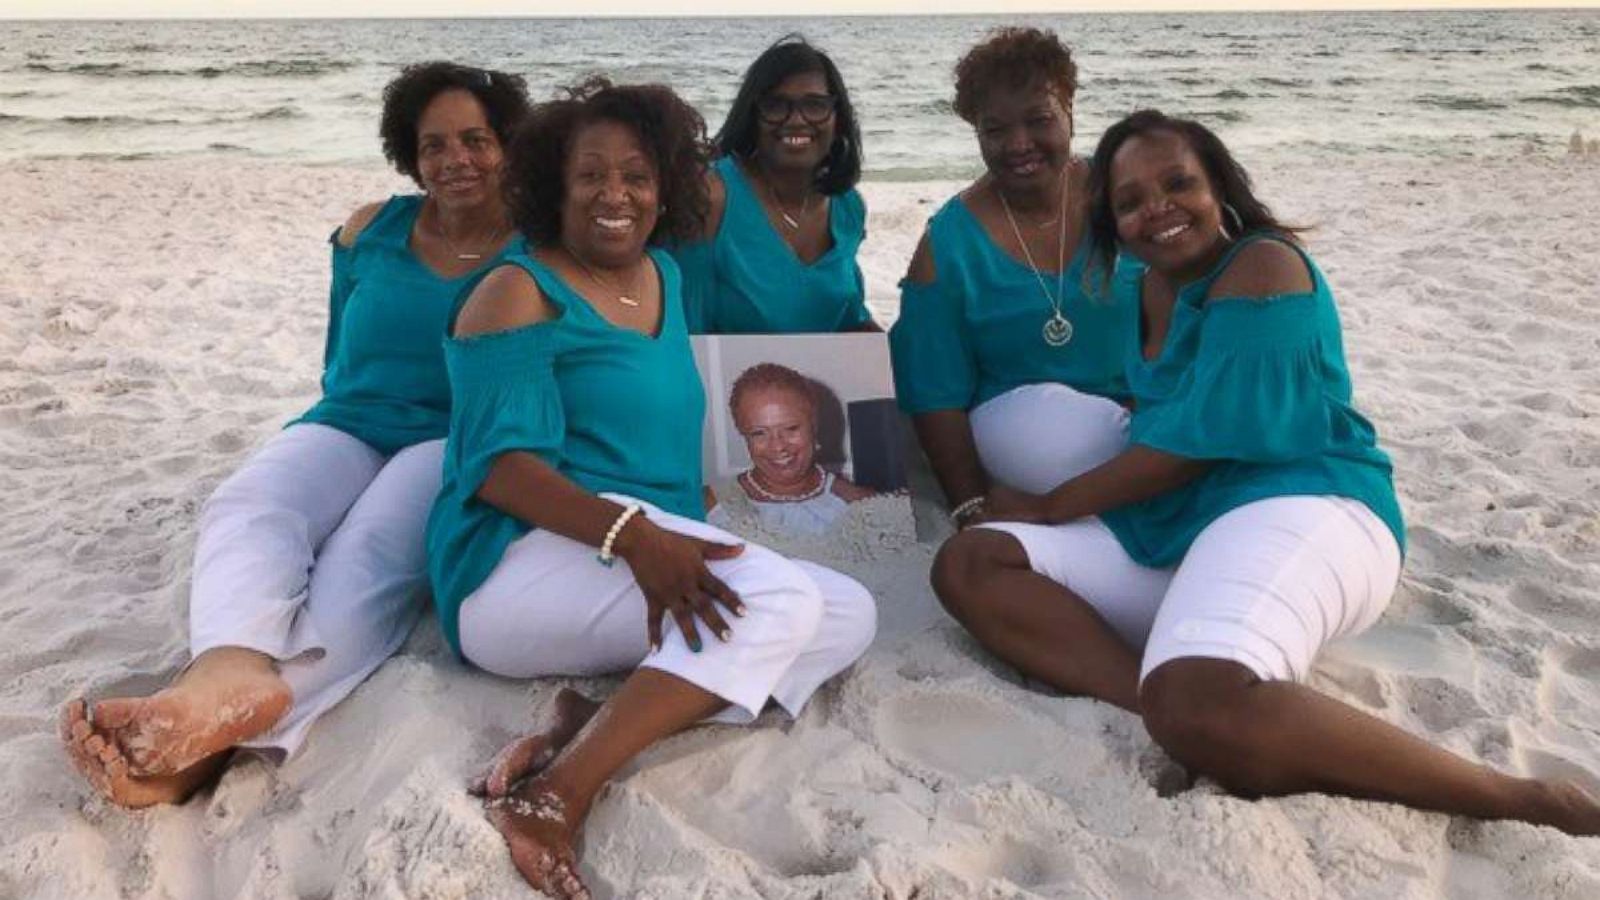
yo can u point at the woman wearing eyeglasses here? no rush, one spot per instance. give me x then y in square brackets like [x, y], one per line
[778, 254]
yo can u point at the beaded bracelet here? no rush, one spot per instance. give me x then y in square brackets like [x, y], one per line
[966, 509]
[605, 556]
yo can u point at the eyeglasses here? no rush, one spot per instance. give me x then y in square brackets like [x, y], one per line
[775, 109]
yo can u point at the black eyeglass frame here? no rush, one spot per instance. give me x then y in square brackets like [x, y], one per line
[767, 108]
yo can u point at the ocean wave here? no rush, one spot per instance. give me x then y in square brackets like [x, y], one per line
[1578, 96]
[1349, 81]
[1466, 103]
[1230, 116]
[1183, 53]
[261, 68]
[1225, 94]
[1269, 81]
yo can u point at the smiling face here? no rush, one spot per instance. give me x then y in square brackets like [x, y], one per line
[1025, 137]
[612, 194]
[1166, 210]
[459, 158]
[801, 138]
[779, 428]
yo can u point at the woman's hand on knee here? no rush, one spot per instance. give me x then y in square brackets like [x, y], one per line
[672, 573]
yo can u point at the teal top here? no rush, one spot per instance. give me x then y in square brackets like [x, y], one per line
[383, 376]
[747, 279]
[976, 331]
[1259, 386]
[607, 407]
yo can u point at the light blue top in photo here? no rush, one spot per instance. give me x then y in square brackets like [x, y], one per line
[976, 331]
[746, 279]
[383, 375]
[607, 407]
[1260, 387]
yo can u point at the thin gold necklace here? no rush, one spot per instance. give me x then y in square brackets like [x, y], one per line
[496, 237]
[783, 211]
[623, 297]
[1057, 329]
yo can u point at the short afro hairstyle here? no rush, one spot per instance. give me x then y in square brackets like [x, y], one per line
[793, 55]
[504, 98]
[1014, 59]
[768, 376]
[672, 134]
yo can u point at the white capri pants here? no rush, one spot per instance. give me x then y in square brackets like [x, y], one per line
[1035, 437]
[1266, 585]
[312, 553]
[550, 608]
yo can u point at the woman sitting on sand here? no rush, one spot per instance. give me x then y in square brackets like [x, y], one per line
[775, 409]
[1010, 369]
[575, 443]
[1193, 578]
[777, 253]
[310, 567]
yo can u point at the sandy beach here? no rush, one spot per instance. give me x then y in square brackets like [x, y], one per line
[162, 318]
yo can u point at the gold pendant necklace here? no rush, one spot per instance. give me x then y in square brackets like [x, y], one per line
[623, 297]
[495, 239]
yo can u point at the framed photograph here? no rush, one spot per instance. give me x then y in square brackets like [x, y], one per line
[801, 429]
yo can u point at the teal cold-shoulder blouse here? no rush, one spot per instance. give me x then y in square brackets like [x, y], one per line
[609, 408]
[746, 279]
[975, 332]
[383, 373]
[1260, 387]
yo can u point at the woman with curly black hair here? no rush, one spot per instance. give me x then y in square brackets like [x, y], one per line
[309, 566]
[575, 442]
[1005, 358]
[777, 253]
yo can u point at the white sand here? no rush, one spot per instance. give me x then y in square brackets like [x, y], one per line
[161, 319]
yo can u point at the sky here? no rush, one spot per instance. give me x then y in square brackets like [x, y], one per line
[51, 9]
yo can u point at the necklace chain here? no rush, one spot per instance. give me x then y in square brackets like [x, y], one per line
[1057, 328]
[792, 222]
[494, 240]
[626, 298]
[765, 495]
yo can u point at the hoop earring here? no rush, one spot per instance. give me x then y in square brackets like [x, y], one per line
[1238, 222]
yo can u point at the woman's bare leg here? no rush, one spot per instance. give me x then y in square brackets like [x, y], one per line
[983, 578]
[541, 817]
[1263, 738]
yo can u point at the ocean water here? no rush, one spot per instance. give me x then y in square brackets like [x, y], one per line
[1421, 84]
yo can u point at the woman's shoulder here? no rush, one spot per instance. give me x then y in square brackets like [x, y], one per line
[506, 297]
[362, 220]
[849, 491]
[1267, 266]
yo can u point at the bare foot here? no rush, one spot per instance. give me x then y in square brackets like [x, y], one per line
[539, 828]
[1563, 805]
[229, 695]
[529, 754]
[102, 764]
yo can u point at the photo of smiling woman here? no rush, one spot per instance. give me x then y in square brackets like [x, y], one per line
[1009, 368]
[777, 254]
[774, 409]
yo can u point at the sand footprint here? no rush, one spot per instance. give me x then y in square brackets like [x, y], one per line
[969, 736]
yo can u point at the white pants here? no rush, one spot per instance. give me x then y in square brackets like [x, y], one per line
[1266, 585]
[1037, 436]
[312, 553]
[550, 608]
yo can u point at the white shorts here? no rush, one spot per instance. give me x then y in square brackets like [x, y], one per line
[1037, 436]
[550, 608]
[1266, 585]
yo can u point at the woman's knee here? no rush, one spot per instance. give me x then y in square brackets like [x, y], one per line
[1199, 711]
[776, 589]
[968, 560]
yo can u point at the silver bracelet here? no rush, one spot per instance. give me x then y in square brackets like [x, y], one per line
[605, 556]
[966, 509]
